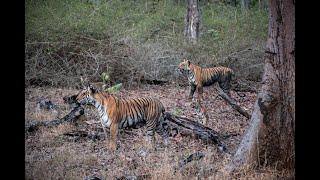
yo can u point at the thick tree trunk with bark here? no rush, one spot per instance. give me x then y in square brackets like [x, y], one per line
[192, 21]
[270, 136]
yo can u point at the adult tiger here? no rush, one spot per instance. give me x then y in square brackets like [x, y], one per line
[199, 77]
[116, 113]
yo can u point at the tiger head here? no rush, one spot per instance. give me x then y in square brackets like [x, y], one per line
[85, 96]
[184, 66]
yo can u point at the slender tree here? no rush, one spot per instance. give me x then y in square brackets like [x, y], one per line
[192, 20]
[245, 4]
[270, 136]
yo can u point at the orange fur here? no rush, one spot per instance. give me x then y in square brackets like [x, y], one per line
[126, 112]
[199, 77]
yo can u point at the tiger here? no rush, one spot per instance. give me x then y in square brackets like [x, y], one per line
[199, 77]
[118, 113]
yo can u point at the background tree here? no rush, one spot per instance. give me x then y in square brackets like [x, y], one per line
[270, 136]
[245, 4]
[192, 20]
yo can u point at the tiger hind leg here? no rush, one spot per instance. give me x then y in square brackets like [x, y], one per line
[150, 138]
[225, 86]
[162, 129]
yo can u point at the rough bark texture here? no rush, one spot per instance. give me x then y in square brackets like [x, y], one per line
[192, 21]
[270, 137]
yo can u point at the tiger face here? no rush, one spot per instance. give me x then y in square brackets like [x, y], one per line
[85, 96]
[184, 66]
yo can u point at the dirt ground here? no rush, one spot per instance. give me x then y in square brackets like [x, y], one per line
[51, 155]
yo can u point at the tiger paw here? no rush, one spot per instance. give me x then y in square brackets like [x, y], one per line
[113, 146]
[189, 98]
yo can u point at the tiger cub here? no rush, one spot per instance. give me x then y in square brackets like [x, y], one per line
[199, 77]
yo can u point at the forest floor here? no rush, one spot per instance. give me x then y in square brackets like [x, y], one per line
[51, 155]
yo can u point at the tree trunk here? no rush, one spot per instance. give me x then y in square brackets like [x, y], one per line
[270, 136]
[192, 21]
[245, 4]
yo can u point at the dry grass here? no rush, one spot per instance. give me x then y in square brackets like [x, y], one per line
[50, 155]
[128, 39]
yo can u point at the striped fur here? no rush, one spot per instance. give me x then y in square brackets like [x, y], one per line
[116, 113]
[199, 77]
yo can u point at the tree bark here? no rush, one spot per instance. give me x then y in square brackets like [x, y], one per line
[269, 139]
[245, 4]
[192, 21]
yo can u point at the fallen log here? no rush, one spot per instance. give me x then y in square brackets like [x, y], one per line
[232, 102]
[73, 116]
[188, 127]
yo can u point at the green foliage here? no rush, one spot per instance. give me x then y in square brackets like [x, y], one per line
[177, 111]
[105, 77]
[114, 88]
[59, 19]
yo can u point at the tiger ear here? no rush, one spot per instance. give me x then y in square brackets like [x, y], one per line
[92, 89]
[84, 82]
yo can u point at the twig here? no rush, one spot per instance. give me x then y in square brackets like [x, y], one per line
[193, 157]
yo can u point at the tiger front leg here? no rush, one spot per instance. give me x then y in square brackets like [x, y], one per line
[200, 106]
[192, 90]
[114, 133]
[200, 94]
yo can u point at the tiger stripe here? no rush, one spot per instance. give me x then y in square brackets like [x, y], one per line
[199, 77]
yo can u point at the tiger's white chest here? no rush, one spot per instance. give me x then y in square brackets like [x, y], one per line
[105, 120]
[191, 78]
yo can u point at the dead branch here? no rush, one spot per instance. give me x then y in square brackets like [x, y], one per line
[242, 86]
[73, 116]
[188, 127]
[139, 177]
[233, 103]
[193, 157]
